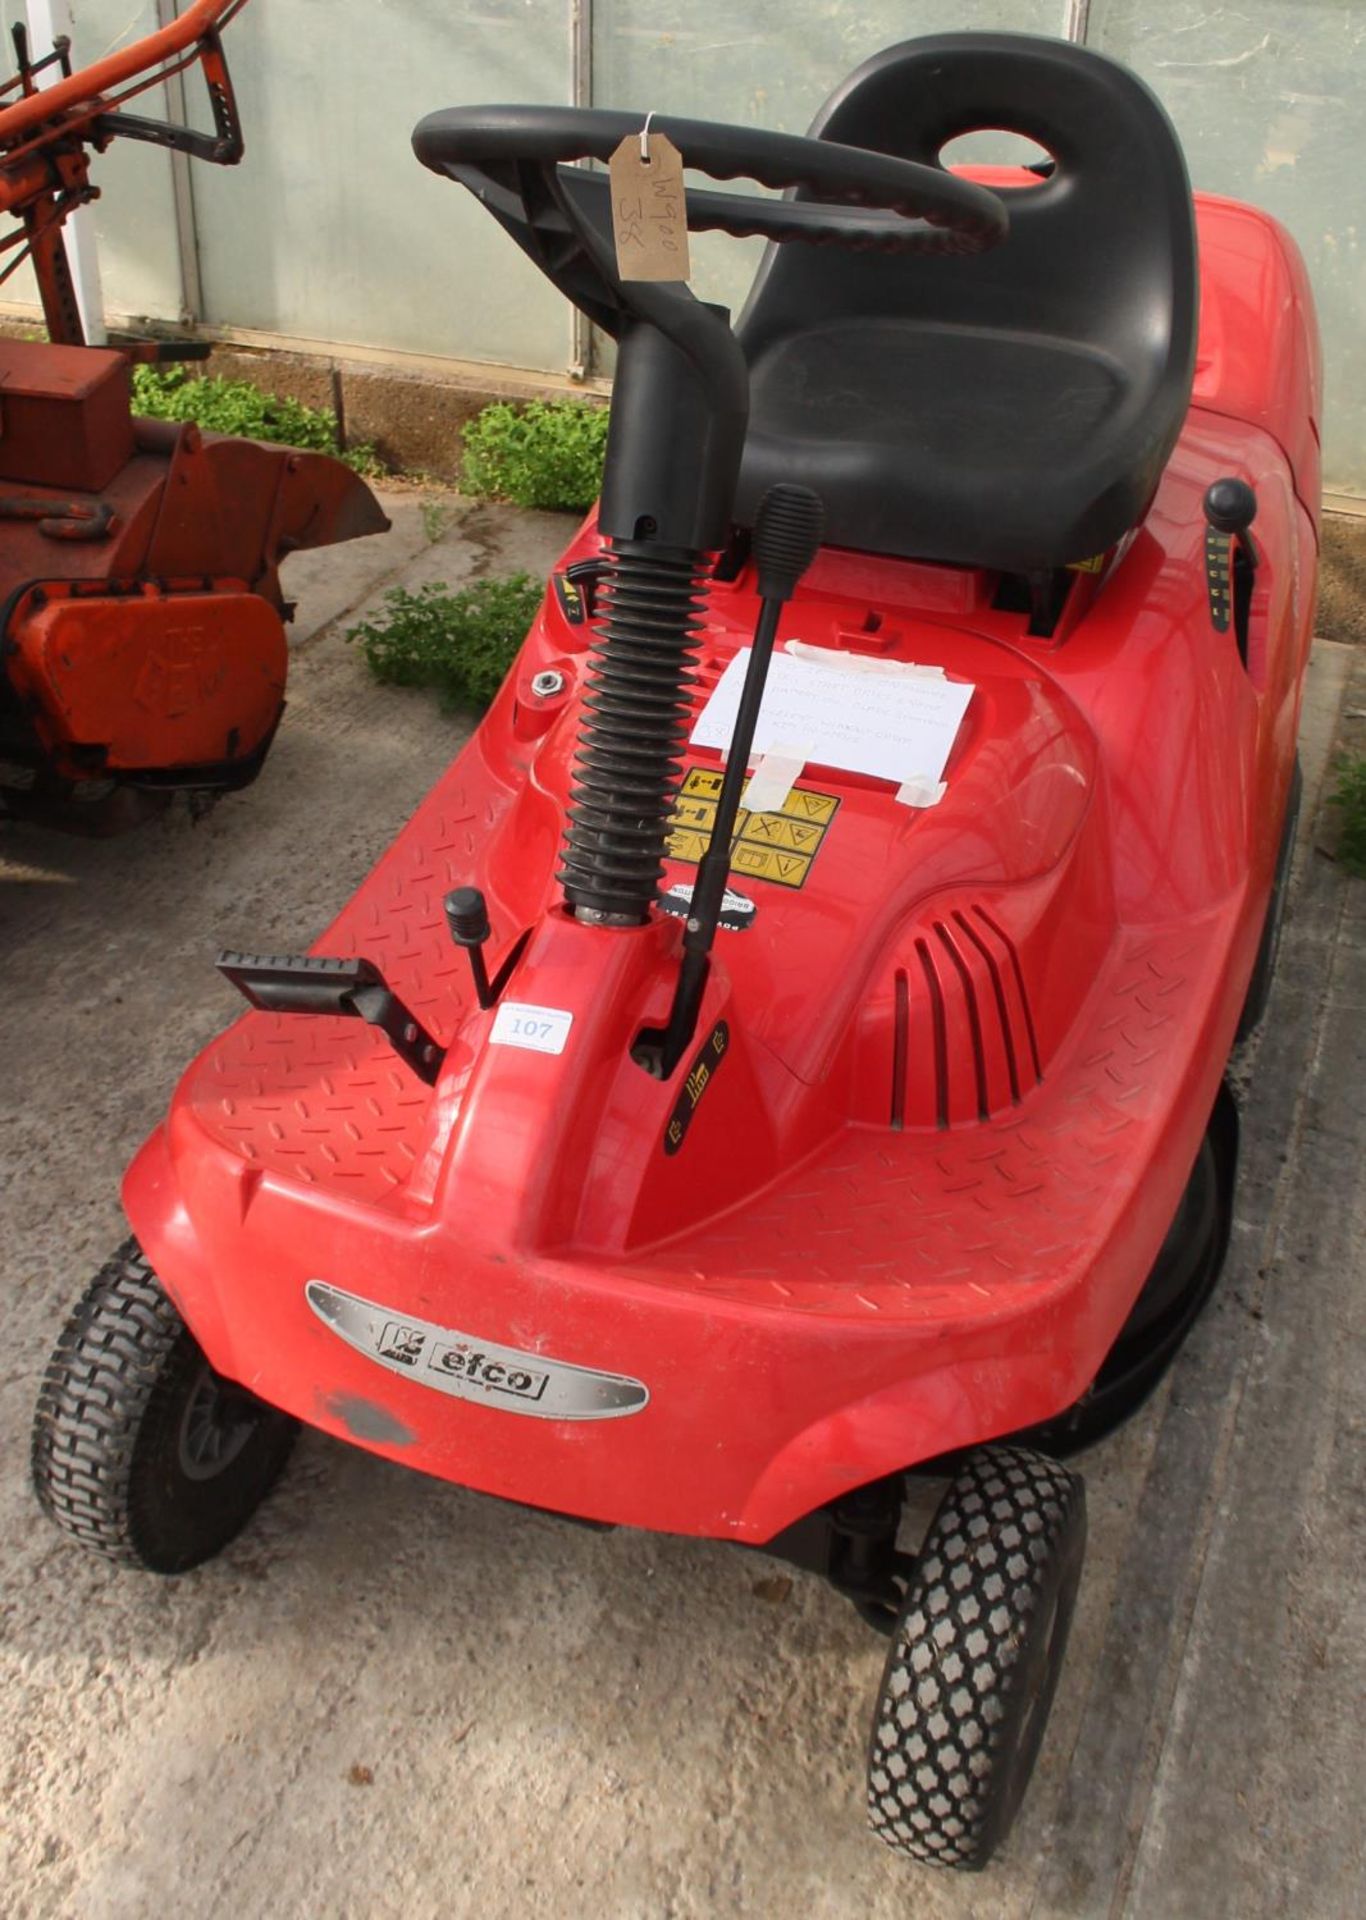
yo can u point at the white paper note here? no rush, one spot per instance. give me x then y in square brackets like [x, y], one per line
[897, 726]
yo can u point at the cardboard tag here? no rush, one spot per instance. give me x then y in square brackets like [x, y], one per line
[649, 209]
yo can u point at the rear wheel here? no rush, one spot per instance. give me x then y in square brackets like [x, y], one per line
[1268, 952]
[975, 1658]
[141, 1451]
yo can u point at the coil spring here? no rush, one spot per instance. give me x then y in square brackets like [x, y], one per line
[634, 730]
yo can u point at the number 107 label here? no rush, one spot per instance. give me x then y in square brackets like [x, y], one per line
[540, 1029]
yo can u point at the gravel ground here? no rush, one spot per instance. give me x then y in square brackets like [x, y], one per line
[393, 1697]
[1342, 579]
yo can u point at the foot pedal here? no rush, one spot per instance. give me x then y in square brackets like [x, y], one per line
[311, 983]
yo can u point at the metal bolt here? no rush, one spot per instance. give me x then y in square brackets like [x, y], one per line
[546, 685]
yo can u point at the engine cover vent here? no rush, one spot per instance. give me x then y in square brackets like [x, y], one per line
[964, 1045]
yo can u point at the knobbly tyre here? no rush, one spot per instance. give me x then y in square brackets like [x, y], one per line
[925, 1163]
[143, 620]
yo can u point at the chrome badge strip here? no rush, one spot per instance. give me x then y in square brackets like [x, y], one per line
[473, 1369]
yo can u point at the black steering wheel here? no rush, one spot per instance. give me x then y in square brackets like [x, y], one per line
[516, 161]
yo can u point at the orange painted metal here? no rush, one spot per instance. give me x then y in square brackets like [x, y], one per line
[44, 133]
[35, 176]
[64, 418]
[84, 88]
[192, 505]
[149, 680]
[152, 648]
[143, 617]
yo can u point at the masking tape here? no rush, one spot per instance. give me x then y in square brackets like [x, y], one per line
[773, 778]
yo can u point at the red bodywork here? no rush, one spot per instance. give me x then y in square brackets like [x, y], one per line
[967, 1067]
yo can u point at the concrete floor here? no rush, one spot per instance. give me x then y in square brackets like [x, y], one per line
[392, 1697]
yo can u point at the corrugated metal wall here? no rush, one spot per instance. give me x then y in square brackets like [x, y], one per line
[331, 233]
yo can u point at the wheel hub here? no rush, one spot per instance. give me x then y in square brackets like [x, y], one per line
[214, 1428]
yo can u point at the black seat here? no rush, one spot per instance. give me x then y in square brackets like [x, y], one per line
[1012, 409]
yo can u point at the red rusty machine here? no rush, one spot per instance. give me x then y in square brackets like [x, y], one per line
[143, 620]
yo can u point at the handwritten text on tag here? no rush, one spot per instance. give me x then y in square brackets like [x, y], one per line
[649, 209]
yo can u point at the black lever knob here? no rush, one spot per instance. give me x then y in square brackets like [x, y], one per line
[1230, 506]
[787, 535]
[467, 916]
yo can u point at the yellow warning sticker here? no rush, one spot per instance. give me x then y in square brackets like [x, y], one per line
[694, 813]
[776, 845]
[687, 846]
[802, 805]
[776, 830]
[703, 783]
[767, 863]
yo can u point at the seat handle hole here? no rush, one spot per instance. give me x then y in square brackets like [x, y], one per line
[998, 147]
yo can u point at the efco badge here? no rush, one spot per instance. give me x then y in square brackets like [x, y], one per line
[471, 1369]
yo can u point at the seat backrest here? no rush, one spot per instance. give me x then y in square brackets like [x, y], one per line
[1101, 253]
[1103, 250]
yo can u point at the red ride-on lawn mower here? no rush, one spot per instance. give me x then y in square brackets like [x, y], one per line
[683, 1154]
[143, 639]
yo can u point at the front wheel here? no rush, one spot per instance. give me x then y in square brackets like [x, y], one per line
[141, 1451]
[975, 1658]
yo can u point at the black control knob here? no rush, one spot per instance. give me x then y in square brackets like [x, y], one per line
[1230, 506]
[467, 916]
[787, 533]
